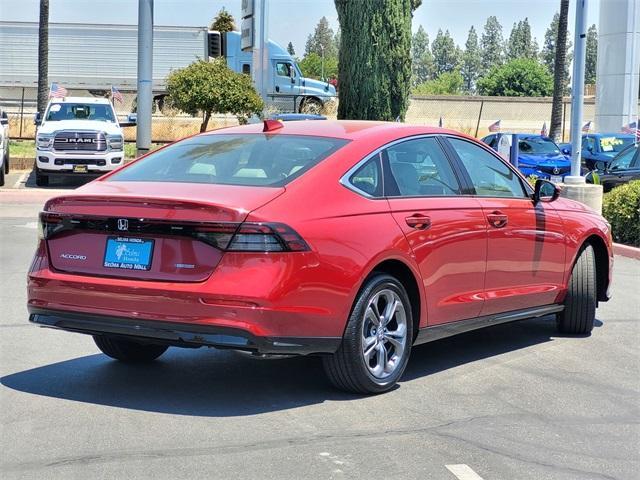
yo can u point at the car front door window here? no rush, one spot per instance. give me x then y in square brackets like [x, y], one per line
[490, 176]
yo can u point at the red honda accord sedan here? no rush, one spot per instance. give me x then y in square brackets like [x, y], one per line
[351, 240]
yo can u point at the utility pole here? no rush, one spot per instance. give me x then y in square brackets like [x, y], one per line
[145, 76]
[577, 88]
[260, 46]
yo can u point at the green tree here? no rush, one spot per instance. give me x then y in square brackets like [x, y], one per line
[591, 56]
[491, 45]
[448, 83]
[375, 58]
[421, 57]
[548, 52]
[471, 61]
[522, 77]
[560, 73]
[322, 40]
[43, 56]
[212, 87]
[311, 66]
[446, 55]
[224, 22]
[290, 50]
[520, 43]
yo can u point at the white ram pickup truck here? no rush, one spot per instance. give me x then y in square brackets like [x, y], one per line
[77, 136]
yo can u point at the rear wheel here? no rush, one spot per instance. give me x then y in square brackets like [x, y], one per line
[377, 341]
[580, 303]
[42, 180]
[128, 350]
[2, 176]
[6, 163]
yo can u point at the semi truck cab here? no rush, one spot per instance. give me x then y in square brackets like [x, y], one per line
[285, 79]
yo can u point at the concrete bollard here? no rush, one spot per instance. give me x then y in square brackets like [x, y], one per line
[575, 188]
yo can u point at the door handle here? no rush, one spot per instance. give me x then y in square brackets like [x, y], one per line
[497, 219]
[421, 222]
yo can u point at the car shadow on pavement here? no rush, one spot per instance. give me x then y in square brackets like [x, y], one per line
[67, 183]
[218, 383]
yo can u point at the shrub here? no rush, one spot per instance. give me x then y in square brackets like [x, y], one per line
[448, 83]
[522, 77]
[212, 87]
[621, 207]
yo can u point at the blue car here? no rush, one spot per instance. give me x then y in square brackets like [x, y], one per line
[538, 155]
[598, 149]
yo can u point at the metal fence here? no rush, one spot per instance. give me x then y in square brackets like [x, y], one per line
[468, 114]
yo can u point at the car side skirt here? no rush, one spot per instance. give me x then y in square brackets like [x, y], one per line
[436, 332]
[182, 334]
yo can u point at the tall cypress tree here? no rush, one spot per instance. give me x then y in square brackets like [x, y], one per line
[491, 45]
[471, 61]
[591, 60]
[446, 55]
[421, 57]
[375, 58]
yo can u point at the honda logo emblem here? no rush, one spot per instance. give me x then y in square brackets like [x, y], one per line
[123, 224]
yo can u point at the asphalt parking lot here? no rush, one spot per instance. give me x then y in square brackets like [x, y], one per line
[515, 401]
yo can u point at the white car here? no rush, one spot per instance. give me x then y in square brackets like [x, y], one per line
[77, 136]
[4, 146]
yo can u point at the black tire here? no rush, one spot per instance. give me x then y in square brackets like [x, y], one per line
[347, 368]
[6, 163]
[1, 177]
[42, 180]
[580, 303]
[128, 351]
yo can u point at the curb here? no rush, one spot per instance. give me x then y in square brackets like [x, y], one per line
[626, 251]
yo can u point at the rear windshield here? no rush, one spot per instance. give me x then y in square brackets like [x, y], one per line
[250, 160]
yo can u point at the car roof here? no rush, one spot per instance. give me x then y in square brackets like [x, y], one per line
[611, 134]
[346, 129]
[80, 100]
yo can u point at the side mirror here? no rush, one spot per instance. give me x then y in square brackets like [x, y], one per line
[4, 121]
[293, 80]
[545, 191]
[37, 119]
[600, 165]
[590, 149]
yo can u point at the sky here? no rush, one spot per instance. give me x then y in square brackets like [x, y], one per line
[294, 20]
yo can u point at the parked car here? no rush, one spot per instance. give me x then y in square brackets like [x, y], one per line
[318, 237]
[539, 156]
[77, 136]
[598, 149]
[622, 169]
[4, 145]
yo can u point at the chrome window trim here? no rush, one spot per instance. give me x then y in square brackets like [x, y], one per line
[344, 180]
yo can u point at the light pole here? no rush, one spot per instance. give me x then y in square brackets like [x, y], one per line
[577, 90]
[145, 76]
[322, 62]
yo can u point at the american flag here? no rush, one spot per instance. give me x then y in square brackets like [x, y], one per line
[495, 126]
[57, 91]
[586, 127]
[116, 95]
[544, 132]
[632, 128]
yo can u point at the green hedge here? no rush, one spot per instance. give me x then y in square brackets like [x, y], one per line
[621, 207]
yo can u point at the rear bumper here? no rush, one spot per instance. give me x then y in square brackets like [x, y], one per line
[181, 334]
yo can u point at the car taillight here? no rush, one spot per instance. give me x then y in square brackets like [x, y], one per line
[48, 223]
[253, 237]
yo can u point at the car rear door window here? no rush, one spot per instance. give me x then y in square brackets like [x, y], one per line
[490, 176]
[420, 168]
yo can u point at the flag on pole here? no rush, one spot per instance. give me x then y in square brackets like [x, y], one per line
[544, 132]
[440, 122]
[632, 128]
[116, 95]
[57, 91]
[586, 127]
[495, 126]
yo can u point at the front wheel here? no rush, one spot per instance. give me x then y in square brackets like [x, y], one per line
[580, 303]
[128, 351]
[377, 341]
[42, 180]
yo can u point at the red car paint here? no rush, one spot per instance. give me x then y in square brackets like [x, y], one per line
[463, 266]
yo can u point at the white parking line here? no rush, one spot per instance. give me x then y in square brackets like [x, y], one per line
[463, 472]
[21, 179]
